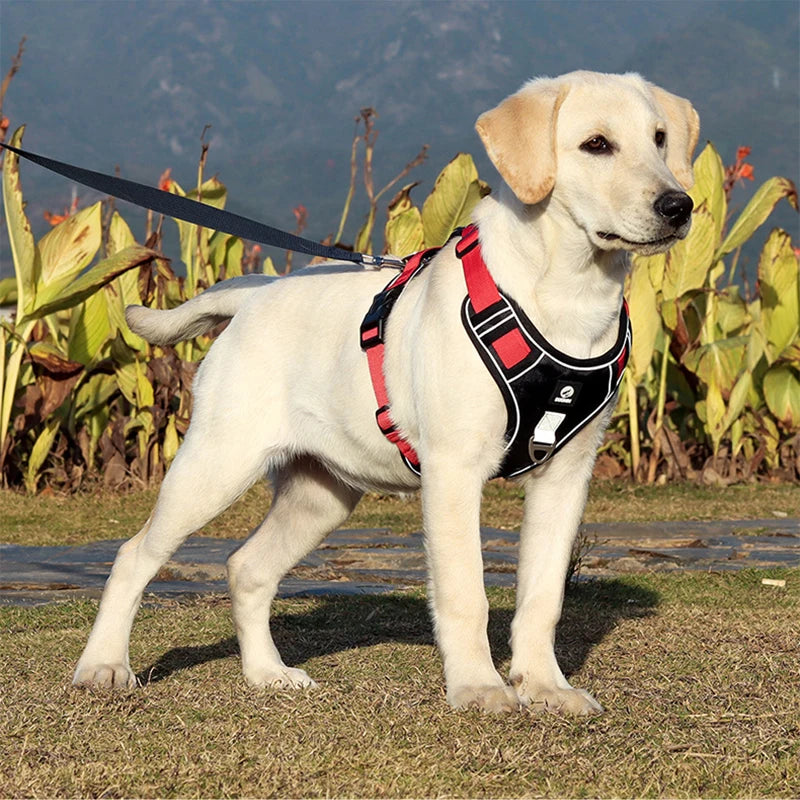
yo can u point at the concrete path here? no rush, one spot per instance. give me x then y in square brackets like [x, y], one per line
[373, 561]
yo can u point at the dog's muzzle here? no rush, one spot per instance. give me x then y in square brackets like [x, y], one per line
[674, 207]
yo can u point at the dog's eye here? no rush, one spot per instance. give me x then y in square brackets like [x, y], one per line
[597, 144]
[661, 138]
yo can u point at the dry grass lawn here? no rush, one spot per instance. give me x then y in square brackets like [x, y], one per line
[698, 673]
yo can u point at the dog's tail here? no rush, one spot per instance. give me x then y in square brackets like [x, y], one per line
[195, 316]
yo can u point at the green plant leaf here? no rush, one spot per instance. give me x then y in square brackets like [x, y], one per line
[144, 389]
[689, 261]
[120, 235]
[90, 329]
[52, 299]
[782, 394]
[41, 449]
[656, 266]
[126, 380]
[8, 291]
[709, 177]
[214, 194]
[171, 440]
[23, 248]
[363, 242]
[126, 286]
[268, 268]
[401, 202]
[791, 355]
[779, 287]
[455, 194]
[93, 394]
[68, 248]
[756, 212]
[645, 319]
[736, 402]
[731, 315]
[718, 364]
[404, 233]
[226, 251]
[715, 414]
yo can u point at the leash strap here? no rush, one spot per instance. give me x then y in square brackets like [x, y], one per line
[188, 210]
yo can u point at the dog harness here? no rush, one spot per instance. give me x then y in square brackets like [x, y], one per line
[549, 396]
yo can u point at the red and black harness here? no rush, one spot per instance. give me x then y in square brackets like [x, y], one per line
[549, 396]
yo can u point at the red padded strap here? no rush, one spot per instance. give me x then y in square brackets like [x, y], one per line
[385, 423]
[480, 286]
[375, 362]
[375, 356]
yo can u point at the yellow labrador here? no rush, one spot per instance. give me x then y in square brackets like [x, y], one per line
[593, 165]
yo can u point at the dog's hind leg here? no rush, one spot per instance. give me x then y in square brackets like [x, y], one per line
[205, 478]
[309, 503]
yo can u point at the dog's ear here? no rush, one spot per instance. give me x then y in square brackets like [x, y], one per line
[683, 131]
[519, 137]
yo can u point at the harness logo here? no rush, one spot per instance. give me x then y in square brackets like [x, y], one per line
[565, 394]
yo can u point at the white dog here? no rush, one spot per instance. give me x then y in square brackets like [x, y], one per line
[593, 165]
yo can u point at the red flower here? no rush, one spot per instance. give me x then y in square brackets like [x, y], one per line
[57, 219]
[738, 171]
[165, 181]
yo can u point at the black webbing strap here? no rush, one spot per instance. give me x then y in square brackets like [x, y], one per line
[173, 205]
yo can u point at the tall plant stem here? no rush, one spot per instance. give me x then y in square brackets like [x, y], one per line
[633, 422]
[352, 189]
[662, 400]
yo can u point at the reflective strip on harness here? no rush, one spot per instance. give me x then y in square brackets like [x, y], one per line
[549, 395]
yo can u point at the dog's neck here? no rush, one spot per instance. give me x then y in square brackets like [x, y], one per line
[570, 290]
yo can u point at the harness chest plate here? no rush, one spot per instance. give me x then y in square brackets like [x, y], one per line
[549, 396]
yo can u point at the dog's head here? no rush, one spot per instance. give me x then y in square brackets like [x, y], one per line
[612, 151]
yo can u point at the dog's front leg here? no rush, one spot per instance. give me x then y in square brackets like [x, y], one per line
[451, 509]
[555, 498]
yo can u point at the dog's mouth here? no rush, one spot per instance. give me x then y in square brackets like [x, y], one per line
[613, 237]
[646, 248]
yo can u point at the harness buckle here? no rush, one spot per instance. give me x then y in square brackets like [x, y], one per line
[385, 421]
[371, 333]
[373, 324]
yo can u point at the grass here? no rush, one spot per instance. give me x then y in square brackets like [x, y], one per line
[698, 673]
[51, 519]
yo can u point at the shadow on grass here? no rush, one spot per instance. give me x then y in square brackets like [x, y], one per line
[338, 623]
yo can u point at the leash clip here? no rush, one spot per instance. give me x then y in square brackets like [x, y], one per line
[376, 262]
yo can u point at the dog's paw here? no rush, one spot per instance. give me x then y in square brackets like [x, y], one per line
[493, 699]
[280, 678]
[574, 702]
[105, 676]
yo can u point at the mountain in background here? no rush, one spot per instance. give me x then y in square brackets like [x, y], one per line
[133, 84]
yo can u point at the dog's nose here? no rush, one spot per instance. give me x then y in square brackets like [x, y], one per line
[675, 206]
